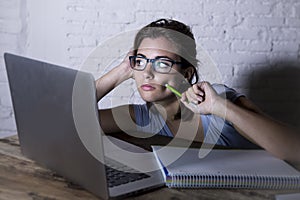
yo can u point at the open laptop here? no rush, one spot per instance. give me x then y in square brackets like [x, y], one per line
[57, 122]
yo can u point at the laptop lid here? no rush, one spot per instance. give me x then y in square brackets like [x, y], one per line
[42, 96]
[57, 121]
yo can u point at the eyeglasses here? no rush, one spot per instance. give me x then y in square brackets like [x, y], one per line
[160, 65]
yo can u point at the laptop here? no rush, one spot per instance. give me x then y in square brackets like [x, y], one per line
[57, 122]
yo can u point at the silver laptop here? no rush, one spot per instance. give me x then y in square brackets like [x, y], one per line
[57, 122]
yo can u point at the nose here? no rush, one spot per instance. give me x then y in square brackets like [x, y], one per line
[148, 71]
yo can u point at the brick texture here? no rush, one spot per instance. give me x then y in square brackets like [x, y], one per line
[253, 45]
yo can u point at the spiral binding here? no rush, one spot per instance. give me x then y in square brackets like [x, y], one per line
[232, 181]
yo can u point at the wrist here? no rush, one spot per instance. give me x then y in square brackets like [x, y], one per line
[118, 75]
[111, 80]
[220, 107]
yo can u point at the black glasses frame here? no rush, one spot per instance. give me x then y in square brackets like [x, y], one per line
[131, 58]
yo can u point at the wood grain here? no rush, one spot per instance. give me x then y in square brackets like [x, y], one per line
[23, 179]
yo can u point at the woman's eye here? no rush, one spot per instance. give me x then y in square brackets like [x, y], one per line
[163, 64]
[139, 62]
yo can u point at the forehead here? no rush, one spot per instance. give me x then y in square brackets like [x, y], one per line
[158, 46]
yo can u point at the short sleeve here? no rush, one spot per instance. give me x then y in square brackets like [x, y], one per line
[227, 92]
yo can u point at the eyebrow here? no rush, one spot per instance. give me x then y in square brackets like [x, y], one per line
[139, 54]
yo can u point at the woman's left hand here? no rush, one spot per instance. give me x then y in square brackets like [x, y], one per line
[201, 98]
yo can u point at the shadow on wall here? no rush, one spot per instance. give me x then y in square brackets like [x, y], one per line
[276, 90]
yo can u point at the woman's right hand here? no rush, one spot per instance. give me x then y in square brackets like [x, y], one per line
[114, 77]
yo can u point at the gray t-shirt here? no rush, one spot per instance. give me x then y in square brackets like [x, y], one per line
[216, 130]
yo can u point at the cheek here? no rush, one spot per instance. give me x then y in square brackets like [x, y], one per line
[138, 77]
[179, 82]
[176, 78]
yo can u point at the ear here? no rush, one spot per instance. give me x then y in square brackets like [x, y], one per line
[188, 73]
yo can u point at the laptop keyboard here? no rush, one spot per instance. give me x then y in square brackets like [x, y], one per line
[118, 174]
[116, 177]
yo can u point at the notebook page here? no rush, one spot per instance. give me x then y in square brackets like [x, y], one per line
[293, 196]
[235, 162]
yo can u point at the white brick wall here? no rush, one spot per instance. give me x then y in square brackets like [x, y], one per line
[12, 38]
[255, 44]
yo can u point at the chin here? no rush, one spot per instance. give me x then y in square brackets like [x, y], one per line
[152, 96]
[149, 98]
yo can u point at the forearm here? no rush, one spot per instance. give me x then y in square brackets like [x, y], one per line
[110, 80]
[273, 136]
[269, 134]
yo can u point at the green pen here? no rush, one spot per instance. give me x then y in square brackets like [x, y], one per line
[173, 90]
[176, 92]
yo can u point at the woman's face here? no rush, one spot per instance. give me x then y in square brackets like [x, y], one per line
[151, 83]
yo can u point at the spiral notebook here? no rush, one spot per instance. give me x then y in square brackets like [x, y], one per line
[257, 169]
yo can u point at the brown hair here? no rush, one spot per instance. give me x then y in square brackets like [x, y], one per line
[177, 33]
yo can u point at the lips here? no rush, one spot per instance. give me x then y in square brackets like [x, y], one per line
[147, 87]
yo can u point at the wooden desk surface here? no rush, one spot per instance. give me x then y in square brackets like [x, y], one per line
[21, 178]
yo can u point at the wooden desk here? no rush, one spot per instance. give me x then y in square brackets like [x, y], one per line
[21, 178]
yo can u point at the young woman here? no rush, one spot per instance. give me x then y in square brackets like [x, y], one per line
[165, 54]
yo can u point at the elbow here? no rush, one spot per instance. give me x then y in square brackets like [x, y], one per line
[292, 156]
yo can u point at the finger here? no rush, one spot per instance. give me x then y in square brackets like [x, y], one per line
[197, 90]
[191, 96]
[204, 85]
[197, 94]
[194, 108]
[200, 99]
[183, 97]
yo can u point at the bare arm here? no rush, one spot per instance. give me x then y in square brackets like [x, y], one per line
[275, 137]
[119, 118]
[113, 78]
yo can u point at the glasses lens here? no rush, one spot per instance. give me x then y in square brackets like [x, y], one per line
[162, 65]
[138, 63]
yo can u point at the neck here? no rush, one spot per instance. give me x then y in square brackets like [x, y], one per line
[169, 109]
